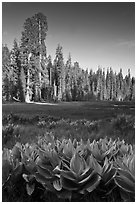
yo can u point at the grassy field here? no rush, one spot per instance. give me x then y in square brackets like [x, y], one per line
[27, 125]
[89, 121]
[72, 110]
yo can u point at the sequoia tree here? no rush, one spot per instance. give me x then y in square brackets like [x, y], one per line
[34, 52]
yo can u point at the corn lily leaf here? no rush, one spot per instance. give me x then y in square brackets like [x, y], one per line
[132, 165]
[64, 194]
[42, 179]
[6, 170]
[86, 178]
[107, 165]
[109, 176]
[92, 162]
[119, 163]
[88, 172]
[28, 178]
[45, 164]
[57, 185]
[126, 175]
[18, 170]
[77, 164]
[69, 175]
[16, 152]
[54, 158]
[97, 154]
[126, 185]
[30, 188]
[127, 197]
[69, 149]
[30, 166]
[75, 143]
[92, 183]
[45, 172]
[69, 184]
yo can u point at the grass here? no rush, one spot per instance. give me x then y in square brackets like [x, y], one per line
[25, 125]
[73, 110]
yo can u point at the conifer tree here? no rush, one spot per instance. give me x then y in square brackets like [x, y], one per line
[5, 73]
[34, 50]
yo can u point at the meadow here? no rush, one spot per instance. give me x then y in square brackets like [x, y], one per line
[68, 120]
[84, 148]
[72, 110]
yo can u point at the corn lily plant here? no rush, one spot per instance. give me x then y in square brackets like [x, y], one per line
[71, 170]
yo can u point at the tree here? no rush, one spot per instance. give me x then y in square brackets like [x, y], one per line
[132, 87]
[59, 72]
[108, 85]
[119, 86]
[5, 73]
[15, 66]
[68, 78]
[34, 51]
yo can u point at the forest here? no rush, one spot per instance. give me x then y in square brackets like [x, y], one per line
[28, 74]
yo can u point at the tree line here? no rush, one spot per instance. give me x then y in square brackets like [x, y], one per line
[28, 74]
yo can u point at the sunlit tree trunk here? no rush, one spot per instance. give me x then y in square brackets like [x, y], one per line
[27, 96]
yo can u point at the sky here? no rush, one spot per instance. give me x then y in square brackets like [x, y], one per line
[94, 33]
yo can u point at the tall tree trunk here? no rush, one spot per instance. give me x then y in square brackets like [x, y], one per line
[40, 59]
[27, 96]
[55, 91]
[50, 80]
[40, 77]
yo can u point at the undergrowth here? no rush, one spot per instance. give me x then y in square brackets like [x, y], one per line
[27, 129]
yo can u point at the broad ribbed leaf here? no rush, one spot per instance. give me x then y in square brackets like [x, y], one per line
[16, 152]
[45, 164]
[126, 174]
[6, 169]
[132, 165]
[57, 185]
[97, 154]
[92, 183]
[109, 176]
[126, 186]
[30, 188]
[54, 158]
[88, 171]
[86, 178]
[76, 164]
[127, 197]
[69, 149]
[45, 172]
[68, 174]
[28, 178]
[104, 146]
[69, 184]
[92, 162]
[40, 178]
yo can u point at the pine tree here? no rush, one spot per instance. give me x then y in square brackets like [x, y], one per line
[132, 88]
[68, 78]
[119, 85]
[108, 85]
[5, 73]
[15, 66]
[59, 72]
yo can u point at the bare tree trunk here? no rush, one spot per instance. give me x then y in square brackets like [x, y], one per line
[40, 77]
[50, 80]
[27, 96]
[55, 91]
[40, 59]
